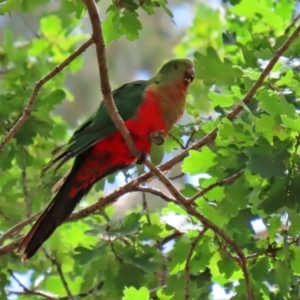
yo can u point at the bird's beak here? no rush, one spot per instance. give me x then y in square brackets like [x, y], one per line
[189, 75]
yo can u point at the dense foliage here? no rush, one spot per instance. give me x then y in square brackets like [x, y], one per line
[246, 170]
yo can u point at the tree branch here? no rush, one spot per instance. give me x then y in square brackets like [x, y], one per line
[109, 101]
[16, 228]
[166, 181]
[28, 108]
[222, 182]
[98, 39]
[217, 230]
[61, 274]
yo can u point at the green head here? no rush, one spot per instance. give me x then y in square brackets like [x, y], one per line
[177, 70]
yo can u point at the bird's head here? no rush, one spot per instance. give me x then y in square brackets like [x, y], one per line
[178, 70]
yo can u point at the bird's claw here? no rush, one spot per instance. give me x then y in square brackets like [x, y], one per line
[156, 137]
[142, 157]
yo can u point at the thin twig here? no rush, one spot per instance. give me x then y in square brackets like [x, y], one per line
[7, 218]
[24, 185]
[112, 247]
[145, 207]
[28, 108]
[177, 176]
[295, 19]
[60, 273]
[176, 140]
[154, 290]
[170, 237]
[155, 192]
[24, 293]
[89, 292]
[25, 289]
[223, 247]
[188, 262]
[107, 219]
[190, 138]
[28, 26]
[222, 182]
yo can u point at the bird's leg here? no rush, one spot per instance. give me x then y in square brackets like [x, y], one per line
[156, 137]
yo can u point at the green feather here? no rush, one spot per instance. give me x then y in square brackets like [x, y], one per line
[99, 126]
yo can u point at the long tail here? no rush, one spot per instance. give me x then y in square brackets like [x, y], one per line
[57, 211]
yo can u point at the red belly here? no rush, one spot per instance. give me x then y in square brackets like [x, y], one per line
[112, 154]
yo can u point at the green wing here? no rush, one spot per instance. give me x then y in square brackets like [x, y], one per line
[99, 126]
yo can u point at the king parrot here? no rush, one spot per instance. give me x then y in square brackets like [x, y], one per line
[147, 107]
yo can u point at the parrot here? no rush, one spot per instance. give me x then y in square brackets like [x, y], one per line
[149, 109]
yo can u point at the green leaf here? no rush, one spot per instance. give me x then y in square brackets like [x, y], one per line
[84, 255]
[287, 79]
[143, 261]
[274, 224]
[273, 103]
[131, 25]
[295, 261]
[134, 294]
[110, 27]
[89, 276]
[283, 275]
[54, 97]
[211, 69]
[221, 100]
[9, 5]
[270, 127]
[267, 160]
[51, 26]
[136, 278]
[150, 232]
[227, 267]
[179, 254]
[211, 212]
[76, 6]
[199, 162]
[293, 124]
[229, 204]
[129, 226]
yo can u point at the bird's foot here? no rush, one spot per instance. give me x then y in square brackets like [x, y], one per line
[156, 137]
[142, 157]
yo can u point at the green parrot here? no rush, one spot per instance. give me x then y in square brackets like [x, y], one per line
[147, 107]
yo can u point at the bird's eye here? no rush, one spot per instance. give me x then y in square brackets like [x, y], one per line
[175, 66]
